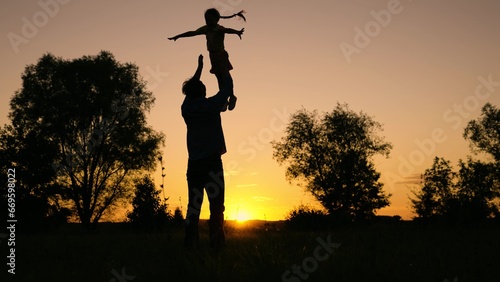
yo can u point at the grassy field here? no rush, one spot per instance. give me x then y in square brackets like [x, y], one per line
[401, 252]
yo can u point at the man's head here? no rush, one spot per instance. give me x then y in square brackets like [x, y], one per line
[194, 88]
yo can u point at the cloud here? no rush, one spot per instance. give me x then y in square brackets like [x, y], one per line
[231, 172]
[413, 179]
[246, 185]
[261, 199]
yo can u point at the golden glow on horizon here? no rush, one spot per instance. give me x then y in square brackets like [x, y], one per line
[242, 216]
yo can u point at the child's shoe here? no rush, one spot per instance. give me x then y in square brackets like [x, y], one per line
[232, 102]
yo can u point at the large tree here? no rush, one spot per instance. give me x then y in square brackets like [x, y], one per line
[331, 156]
[79, 128]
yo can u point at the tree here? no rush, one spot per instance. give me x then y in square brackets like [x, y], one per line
[437, 196]
[331, 157]
[149, 210]
[484, 133]
[80, 132]
[484, 136]
[475, 193]
[463, 197]
[472, 194]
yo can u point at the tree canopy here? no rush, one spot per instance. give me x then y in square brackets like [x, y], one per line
[331, 156]
[467, 196]
[78, 129]
[436, 196]
[484, 133]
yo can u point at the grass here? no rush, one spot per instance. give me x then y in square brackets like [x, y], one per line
[402, 252]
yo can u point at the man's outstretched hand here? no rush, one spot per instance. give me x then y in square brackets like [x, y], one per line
[200, 60]
[173, 38]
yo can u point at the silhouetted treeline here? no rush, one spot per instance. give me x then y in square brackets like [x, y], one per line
[470, 195]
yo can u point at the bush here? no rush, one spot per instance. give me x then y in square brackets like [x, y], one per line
[178, 219]
[150, 212]
[307, 218]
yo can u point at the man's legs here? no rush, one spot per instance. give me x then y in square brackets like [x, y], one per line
[195, 179]
[215, 192]
[206, 173]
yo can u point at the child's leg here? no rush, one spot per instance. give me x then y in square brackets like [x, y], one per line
[220, 81]
[232, 98]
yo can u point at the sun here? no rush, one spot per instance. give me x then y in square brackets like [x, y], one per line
[242, 216]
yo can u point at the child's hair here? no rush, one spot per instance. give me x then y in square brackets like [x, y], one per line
[213, 12]
[193, 88]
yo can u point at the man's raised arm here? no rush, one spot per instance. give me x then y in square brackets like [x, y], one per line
[197, 74]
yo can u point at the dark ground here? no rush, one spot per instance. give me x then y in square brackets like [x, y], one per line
[260, 252]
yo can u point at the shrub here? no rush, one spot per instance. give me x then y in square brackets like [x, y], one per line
[307, 218]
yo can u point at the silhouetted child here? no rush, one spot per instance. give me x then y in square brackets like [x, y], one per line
[215, 45]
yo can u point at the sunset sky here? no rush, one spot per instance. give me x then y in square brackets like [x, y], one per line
[421, 68]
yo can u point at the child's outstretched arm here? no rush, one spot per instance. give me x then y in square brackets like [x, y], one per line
[186, 34]
[234, 31]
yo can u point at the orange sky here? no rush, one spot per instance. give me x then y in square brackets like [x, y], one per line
[421, 68]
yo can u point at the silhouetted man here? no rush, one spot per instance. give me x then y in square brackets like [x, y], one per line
[205, 143]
